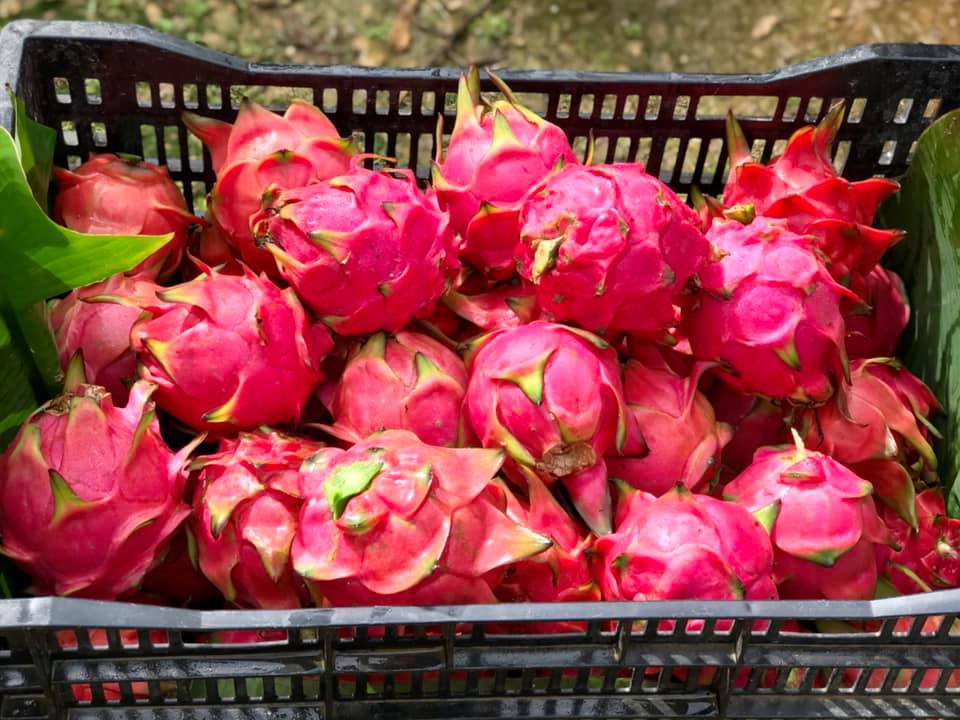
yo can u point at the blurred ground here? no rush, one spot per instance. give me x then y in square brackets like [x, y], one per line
[657, 35]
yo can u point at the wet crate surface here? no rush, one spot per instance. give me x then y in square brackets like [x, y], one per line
[122, 89]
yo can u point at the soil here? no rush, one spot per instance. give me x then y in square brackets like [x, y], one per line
[654, 35]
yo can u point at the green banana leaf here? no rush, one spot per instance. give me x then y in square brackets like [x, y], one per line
[35, 143]
[17, 396]
[18, 399]
[928, 208]
[34, 328]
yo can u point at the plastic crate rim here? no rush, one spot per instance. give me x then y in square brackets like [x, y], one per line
[46, 612]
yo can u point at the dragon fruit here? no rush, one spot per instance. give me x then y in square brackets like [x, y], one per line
[407, 382]
[672, 433]
[770, 312]
[756, 423]
[821, 518]
[230, 352]
[803, 187]
[598, 242]
[929, 556]
[878, 433]
[366, 251]
[100, 331]
[265, 153]
[109, 195]
[496, 153]
[245, 516]
[682, 546]
[393, 521]
[874, 330]
[559, 574]
[551, 396]
[89, 492]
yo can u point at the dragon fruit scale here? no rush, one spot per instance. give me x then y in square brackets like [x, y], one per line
[230, 352]
[245, 517]
[551, 396]
[503, 306]
[393, 521]
[600, 242]
[404, 382]
[100, 331]
[265, 153]
[802, 187]
[89, 492]
[366, 251]
[683, 546]
[110, 195]
[769, 312]
[821, 518]
[878, 426]
[672, 435]
[496, 153]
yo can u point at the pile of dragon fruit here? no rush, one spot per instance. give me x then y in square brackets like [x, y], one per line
[534, 380]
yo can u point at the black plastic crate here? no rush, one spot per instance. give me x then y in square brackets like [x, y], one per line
[122, 88]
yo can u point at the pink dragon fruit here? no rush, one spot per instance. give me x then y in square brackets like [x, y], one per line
[803, 187]
[770, 312]
[109, 195]
[551, 396]
[682, 546]
[395, 522]
[245, 516]
[598, 242]
[756, 423]
[821, 518]
[366, 251]
[265, 153]
[407, 382]
[90, 493]
[496, 153]
[874, 330]
[230, 352]
[559, 574]
[100, 331]
[876, 432]
[929, 556]
[672, 433]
